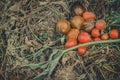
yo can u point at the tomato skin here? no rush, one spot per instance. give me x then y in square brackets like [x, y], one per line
[97, 39]
[63, 26]
[89, 15]
[114, 33]
[70, 43]
[84, 37]
[88, 25]
[105, 36]
[100, 24]
[95, 32]
[77, 22]
[82, 50]
[78, 10]
[72, 34]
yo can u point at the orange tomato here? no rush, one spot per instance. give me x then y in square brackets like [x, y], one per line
[82, 50]
[78, 10]
[114, 33]
[95, 32]
[72, 34]
[105, 36]
[70, 43]
[88, 15]
[100, 24]
[77, 22]
[63, 26]
[84, 37]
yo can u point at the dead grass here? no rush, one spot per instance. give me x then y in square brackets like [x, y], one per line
[28, 39]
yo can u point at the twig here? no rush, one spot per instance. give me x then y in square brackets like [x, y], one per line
[82, 63]
[102, 73]
[28, 23]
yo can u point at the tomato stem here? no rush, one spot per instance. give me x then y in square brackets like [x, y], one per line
[91, 43]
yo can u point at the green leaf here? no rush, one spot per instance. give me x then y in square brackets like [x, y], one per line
[38, 65]
[41, 76]
[55, 59]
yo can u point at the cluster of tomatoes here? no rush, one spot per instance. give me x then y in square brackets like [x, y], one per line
[82, 28]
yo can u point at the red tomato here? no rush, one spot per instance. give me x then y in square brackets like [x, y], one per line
[88, 15]
[100, 24]
[82, 50]
[97, 39]
[105, 36]
[95, 32]
[114, 33]
[71, 43]
[84, 37]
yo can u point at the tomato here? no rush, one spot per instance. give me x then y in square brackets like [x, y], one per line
[78, 10]
[84, 37]
[105, 36]
[82, 50]
[77, 22]
[88, 25]
[100, 24]
[89, 15]
[95, 32]
[70, 43]
[63, 26]
[97, 39]
[114, 33]
[72, 34]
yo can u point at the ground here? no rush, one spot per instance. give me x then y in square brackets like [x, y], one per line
[30, 47]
